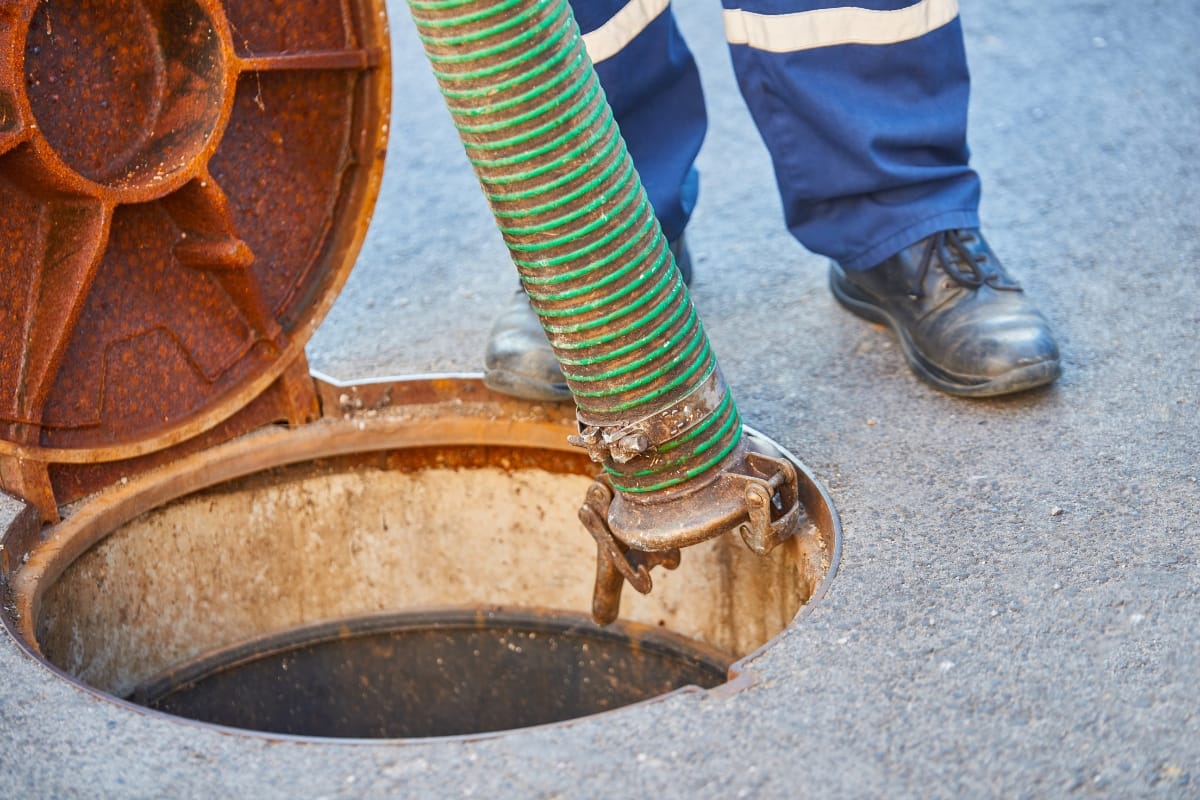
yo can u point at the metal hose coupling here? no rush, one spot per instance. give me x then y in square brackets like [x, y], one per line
[655, 496]
[653, 408]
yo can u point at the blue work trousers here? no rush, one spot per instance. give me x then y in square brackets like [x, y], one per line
[862, 107]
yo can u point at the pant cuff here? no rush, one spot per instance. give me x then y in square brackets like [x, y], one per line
[895, 242]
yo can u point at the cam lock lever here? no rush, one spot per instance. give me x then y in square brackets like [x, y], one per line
[757, 497]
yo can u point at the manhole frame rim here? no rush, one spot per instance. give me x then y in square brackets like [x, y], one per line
[351, 433]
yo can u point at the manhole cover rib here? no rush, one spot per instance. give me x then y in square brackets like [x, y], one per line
[185, 184]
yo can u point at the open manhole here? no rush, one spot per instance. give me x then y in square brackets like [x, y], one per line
[406, 559]
[432, 674]
[410, 565]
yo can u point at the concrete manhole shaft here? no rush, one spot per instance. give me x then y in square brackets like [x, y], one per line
[418, 501]
[429, 673]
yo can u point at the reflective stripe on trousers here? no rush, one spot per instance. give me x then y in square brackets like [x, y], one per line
[862, 107]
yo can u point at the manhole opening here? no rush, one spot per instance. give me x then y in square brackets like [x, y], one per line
[379, 576]
[432, 674]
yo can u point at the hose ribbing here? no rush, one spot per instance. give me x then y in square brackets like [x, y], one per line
[570, 206]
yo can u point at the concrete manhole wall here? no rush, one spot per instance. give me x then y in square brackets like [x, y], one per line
[344, 519]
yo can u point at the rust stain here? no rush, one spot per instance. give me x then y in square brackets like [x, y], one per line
[188, 183]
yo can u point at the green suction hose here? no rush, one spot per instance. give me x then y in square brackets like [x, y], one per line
[652, 405]
[591, 255]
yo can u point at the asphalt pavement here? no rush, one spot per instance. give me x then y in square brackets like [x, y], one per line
[1016, 609]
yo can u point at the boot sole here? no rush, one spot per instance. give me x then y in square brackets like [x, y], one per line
[520, 386]
[1020, 379]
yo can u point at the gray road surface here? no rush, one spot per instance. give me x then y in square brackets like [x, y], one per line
[1016, 611]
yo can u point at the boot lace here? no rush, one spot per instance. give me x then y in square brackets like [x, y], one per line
[967, 269]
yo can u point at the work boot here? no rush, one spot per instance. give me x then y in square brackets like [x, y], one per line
[965, 326]
[519, 360]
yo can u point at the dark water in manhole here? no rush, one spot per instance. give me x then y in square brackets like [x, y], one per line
[441, 674]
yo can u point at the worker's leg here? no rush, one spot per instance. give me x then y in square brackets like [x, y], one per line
[653, 86]
[864, 112]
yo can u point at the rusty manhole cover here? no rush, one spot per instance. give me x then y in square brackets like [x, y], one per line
[185, 185]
